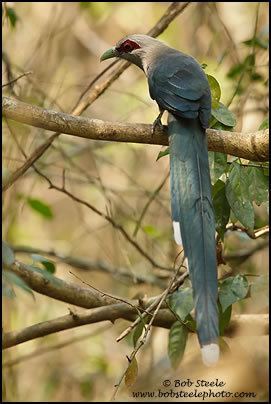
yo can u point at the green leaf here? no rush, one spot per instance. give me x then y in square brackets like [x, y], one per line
[258, 184]
[235, 70]
[264, 124]
[254, 76]
[48, 265]
[214, 124]
[190, 323]
[256, 42]
[138, 331]
[222, 114]
[163, 153]
[40, 207]
[15, 280]
[224, 318]
[239, 68]
[12, 16]
[45, 274]
[151, 231]
[176, 343]
[232, 290]
[237, 189]
[221, 207]
[8, 257]
[218, 165]
[181, 302]
[131, 373]
[215, 90]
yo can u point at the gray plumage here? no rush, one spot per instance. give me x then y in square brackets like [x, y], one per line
[179, 85]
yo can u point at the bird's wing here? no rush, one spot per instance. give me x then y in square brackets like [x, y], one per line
[180, 86]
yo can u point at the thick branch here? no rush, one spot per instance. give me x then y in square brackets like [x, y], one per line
[88, 298]
[251, 146]
[61, 290]
[109, 313]
[242, 324]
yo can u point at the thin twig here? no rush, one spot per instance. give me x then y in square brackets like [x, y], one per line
[16, 79]
[150, 200]
[142, 340]
[251, 233]
[106, 217]
[89, 265]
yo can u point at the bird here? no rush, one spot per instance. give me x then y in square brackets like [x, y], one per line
[179, 85]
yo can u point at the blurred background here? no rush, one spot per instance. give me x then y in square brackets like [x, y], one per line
[60, 44]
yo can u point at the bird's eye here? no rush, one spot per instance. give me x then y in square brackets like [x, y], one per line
[127, 47]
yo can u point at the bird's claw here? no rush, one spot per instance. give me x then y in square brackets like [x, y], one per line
[157, 124]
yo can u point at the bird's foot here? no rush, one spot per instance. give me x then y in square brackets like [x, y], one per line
[157, 123]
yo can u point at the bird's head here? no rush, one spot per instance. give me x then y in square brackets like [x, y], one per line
[134, 48]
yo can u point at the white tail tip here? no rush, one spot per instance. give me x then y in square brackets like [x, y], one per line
[210, 354]
[177, 233]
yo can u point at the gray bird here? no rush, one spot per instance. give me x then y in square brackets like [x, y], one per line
[179, 85]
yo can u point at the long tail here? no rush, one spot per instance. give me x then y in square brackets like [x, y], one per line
[194, 224]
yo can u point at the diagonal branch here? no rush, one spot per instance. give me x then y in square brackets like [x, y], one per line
[61, 290]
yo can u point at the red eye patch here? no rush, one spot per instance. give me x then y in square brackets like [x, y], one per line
[127, 46]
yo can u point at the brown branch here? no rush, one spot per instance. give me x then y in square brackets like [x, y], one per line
[108, 313]
[59, 289]
[251, 146]
[254, 324]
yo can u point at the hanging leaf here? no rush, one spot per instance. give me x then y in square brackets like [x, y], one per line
[162, 153]
[224, 318]
[243, 67]
[8, 257]
[131, 373]
[232, 290]
[40, 207]
[256, 42]
[181, 302]
[48, 265]
[222, 114]
[237, 189]
[138, 331]
[258, 184]
[218, 165]
[221, 207]
[12, 16]
[176, 343]
[215, 90]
